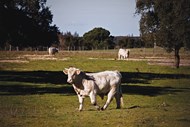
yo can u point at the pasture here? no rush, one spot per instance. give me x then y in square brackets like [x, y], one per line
[34, 92]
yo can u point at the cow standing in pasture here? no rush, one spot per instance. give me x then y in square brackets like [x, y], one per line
[123, 54]
[52, 50]
[92, 84]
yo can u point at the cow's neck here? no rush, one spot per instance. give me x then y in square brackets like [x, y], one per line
[79, 80]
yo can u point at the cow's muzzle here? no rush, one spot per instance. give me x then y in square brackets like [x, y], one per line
[70, 81]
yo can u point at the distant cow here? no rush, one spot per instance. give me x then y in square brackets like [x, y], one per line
[123, 53]
[52, 50]
[92, 84]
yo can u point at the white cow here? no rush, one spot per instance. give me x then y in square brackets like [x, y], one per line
[52, 50]
[123, 53]
[92, 84]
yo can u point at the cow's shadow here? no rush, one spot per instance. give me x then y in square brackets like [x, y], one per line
[41, 82]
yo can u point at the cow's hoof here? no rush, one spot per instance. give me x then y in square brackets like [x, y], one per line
[102, 109]
[98, 108]
[78, 109]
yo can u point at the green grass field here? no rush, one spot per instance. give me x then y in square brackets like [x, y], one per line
[34, 93]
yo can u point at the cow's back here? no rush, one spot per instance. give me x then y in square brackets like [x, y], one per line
[52, 50]
[105, 80]
[122, 51]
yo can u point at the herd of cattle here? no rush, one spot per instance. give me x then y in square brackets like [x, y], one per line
[122, 53]
[93, 84]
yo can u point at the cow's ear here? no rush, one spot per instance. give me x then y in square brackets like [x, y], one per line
[77, 71]
[65, 71]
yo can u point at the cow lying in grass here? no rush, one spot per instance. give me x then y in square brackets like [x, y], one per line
[92, 84]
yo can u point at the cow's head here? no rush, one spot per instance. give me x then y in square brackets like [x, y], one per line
[72, 72]
[56, 50]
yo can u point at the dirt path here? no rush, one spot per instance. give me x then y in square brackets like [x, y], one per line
[163, 61]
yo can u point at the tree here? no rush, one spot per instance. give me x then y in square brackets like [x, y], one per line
[167, 23]
[70, 41]
[129, 42]
[26, 23]
[68, 37]
[98, 38]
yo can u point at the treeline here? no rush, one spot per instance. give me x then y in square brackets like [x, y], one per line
[26, 25]
[98, 38]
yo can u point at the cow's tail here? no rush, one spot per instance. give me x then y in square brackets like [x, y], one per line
[121, 96]
[120, 90]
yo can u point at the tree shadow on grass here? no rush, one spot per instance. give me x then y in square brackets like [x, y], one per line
[14, 89]
[150, 90]
[52, 77]
[34, 82]
[144, 78]
[15, 83]
[146, 89]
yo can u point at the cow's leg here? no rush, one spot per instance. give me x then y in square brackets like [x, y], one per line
[118, 99]
[119, 57]
[110, 98]
[84, 92]
[123, 57]
[126, 56]
[81, 100]
[93, 100]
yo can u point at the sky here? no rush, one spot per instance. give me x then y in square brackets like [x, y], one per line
[81, 16]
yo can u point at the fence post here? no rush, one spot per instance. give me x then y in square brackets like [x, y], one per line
[10, 48]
